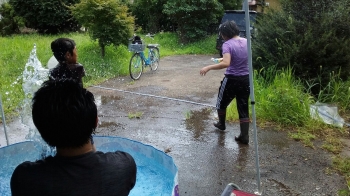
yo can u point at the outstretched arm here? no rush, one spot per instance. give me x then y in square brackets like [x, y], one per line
[226, 60]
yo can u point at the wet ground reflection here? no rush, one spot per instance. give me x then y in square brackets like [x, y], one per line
[196, 121]
[109, 124]
[106, 99]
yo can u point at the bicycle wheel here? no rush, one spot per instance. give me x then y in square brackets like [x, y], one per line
[155, 59]
[136, 66]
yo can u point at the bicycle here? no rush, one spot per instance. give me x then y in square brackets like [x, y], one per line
[138, 60]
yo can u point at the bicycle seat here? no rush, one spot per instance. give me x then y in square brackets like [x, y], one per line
[152, 45]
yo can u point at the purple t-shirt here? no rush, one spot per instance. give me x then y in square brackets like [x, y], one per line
[237, 47]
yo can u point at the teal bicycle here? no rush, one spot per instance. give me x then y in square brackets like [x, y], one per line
[139, 60]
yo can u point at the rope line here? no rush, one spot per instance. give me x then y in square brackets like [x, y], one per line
[156, 96]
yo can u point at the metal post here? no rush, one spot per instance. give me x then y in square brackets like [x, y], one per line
[3, 121]
[252, 98]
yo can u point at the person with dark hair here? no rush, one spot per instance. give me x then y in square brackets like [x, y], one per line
[65, 115]
[65, 51]
[235, 84]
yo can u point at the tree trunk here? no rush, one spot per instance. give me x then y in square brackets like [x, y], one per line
[102, 49]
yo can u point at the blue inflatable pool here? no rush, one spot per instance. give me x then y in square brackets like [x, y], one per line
[156, 171]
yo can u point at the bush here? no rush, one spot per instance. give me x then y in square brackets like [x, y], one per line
[231, 5]
[9, 22]
[108, 21]
[305, 36]
[193, 17]
[46, 16]
[150, 17]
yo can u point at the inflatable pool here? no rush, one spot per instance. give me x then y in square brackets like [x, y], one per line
[156, 171]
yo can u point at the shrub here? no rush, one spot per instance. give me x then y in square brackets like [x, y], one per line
[231, 5]
[9, 22]
[108, 21]
[193, 17]
[305, 36]
[46, 16]
[150, 17]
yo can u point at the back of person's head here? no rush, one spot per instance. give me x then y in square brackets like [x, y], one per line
[229, 29]
[61, 46]
[137, 40]
[64, 113]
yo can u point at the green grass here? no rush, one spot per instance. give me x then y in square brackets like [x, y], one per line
[169, 45]
[15, 51]
[135, 115]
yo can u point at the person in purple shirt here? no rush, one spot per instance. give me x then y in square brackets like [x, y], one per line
[235, 84]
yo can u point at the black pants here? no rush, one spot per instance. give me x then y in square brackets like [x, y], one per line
[235, 87]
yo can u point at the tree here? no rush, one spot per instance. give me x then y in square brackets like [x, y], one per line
[149, 15]
[107, 21]
[193, 17]
[9, 22]
[311, 36]
[231, 5]
[46, 16]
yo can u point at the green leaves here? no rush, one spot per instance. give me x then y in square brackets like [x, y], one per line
[46, 16]
[107, 21]
[193, 17]
[306, 35]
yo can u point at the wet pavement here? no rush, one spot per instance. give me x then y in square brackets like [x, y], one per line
[173, 111]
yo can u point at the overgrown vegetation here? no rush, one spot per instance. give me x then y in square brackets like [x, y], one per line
[9, 22]
[191, 19]
[149, 16]
[313, 37]
[282, 100]
[49, 16]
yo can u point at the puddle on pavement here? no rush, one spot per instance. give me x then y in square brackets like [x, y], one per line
[108, 124]
[104, 100]
[195, 121]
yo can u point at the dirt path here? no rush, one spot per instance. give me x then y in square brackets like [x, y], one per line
[208, 159]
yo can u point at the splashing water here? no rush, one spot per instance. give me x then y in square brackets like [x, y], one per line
[34, 74]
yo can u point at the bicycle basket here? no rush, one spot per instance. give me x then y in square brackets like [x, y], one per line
[137, 47]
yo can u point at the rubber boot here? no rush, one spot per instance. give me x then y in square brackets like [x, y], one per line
[222, 118]
[244, 135]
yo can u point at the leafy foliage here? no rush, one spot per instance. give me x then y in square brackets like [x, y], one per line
[107, 21]
[46, 16]
[231, 5]
[312, 36]
[150, 17]
[9, 22]
[193, 17]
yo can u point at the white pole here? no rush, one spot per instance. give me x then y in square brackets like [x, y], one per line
[3, 121]
[252, 98]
